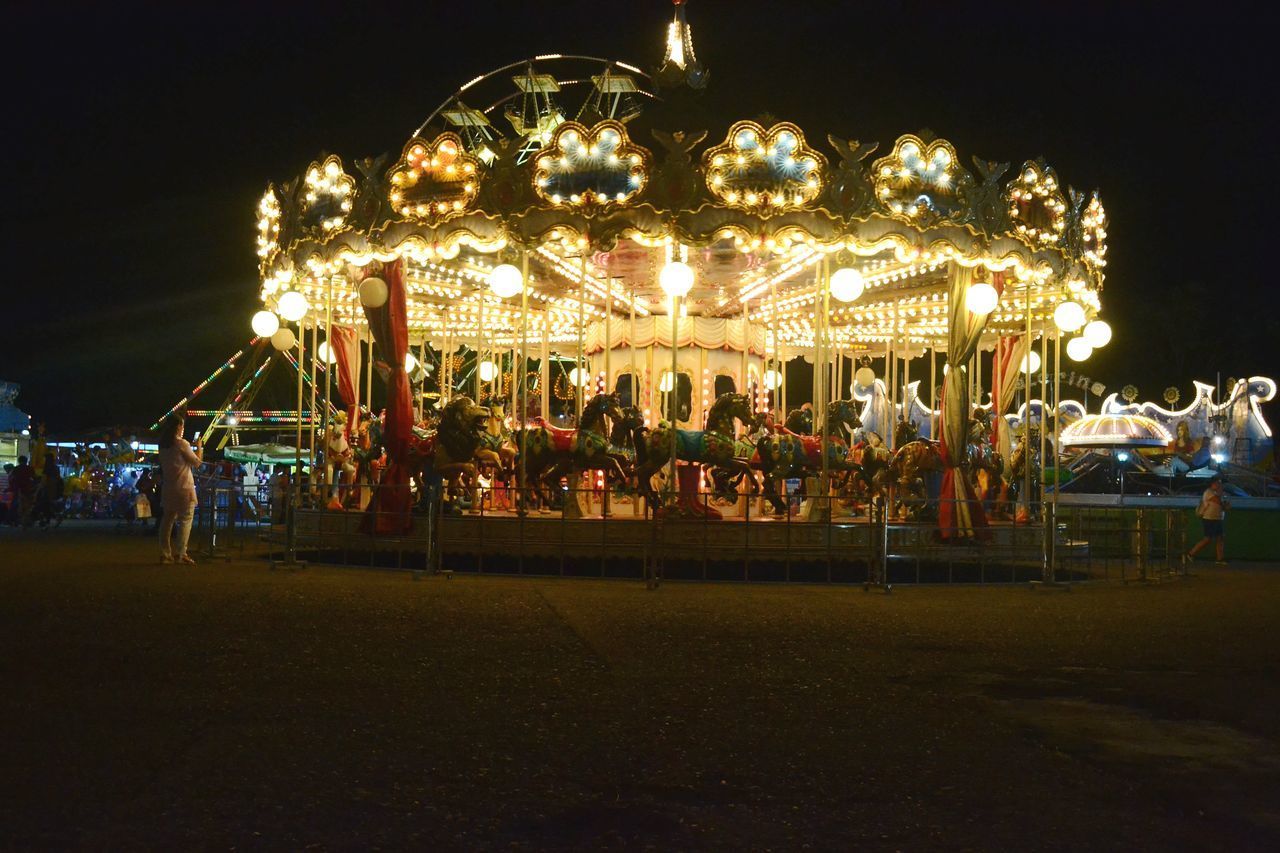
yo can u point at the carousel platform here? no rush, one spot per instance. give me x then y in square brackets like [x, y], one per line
[624, 545]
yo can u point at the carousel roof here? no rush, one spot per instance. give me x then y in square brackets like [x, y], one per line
[1115, 431]
[570, 162]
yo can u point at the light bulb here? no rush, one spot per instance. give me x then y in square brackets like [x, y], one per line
[409, 362]
[579, 376]
[864, 376]
[488, 371]
[1098, 333]
[1079, 349]
[665, 384]
[676, 279]
[505, 281]
[1068, 316]
[265, 323]
[373, 292]
[981, 298]
[1031, 363]
[283, 339]
[293, 306]
[772, 379]
[847, 284]
[327, 355]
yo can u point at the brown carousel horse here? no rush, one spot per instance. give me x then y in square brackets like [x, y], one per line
[905, 471]
[714, 446]
[449, 452]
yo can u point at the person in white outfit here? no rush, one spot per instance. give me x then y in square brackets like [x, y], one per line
[178, 462]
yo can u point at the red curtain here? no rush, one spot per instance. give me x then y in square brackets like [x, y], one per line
[346, 348]
[389, 512]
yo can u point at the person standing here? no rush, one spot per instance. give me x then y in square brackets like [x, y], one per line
[22, 484]
[177, 462]
[1212, 511]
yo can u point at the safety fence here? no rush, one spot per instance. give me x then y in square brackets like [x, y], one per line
[818, 539]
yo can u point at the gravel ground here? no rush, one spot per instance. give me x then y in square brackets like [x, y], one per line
[229, 706]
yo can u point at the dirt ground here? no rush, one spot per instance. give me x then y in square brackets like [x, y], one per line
[231, 706]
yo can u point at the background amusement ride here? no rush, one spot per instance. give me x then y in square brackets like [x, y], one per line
[567, 292]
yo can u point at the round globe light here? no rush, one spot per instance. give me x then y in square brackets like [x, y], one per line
[488, 371]
[283, 339]
[1068, 316]
[373, 292]
[847, 284]
[505, 281]
[676, 279]
[327, 355]
[580, 376]
[1031, 362]
[981, 298]
[1078, 349]
[292, 306]
[864, 376]
[265, 323]
[665, 383]
[410, 363]
[772, 379]
[1098, 333]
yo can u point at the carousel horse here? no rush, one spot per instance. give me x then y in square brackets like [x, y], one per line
[785, 455]
[552, 452]
[1025, 456]
[714, 446]
[339, 462]
[906, 470]
[985, 464]
[799, 422]
[626, 440]
[449, 453]
[496, 446]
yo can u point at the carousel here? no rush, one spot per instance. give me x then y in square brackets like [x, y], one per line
[570, 293]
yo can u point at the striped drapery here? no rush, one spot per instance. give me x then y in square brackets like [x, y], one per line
[1009, 355]
[960, 514]
[346, 349]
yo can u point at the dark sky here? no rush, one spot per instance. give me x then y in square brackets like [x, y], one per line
[140, 137]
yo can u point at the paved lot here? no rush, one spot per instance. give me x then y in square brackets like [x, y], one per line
[230, 706]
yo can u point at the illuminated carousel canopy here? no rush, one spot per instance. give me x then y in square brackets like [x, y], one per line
[573, 161]
[1115, 431]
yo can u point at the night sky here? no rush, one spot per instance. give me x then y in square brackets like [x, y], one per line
[140, 139]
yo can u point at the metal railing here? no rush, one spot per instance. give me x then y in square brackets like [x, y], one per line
[822, 539]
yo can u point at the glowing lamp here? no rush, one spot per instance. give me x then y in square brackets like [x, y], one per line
[580, 376]
[1068, 316]
[666, 383]
[847, 284]
[410, 363]
[1098, 333]
[283, 339]
[1031, 363]
[981, 298]
[293, 306]
[327, 355]
[488, 371]
[864, 376]
[373, 292]
[1078, 349]
[676, 279]
[772, 379]
[505, 281]
[265, 323]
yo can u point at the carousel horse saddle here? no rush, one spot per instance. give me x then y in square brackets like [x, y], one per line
[561, 437]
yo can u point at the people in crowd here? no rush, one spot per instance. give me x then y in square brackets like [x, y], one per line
[48, 504]
[22, 486]
[178, 461]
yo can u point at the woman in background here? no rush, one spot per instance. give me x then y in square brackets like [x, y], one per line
[177, 462]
